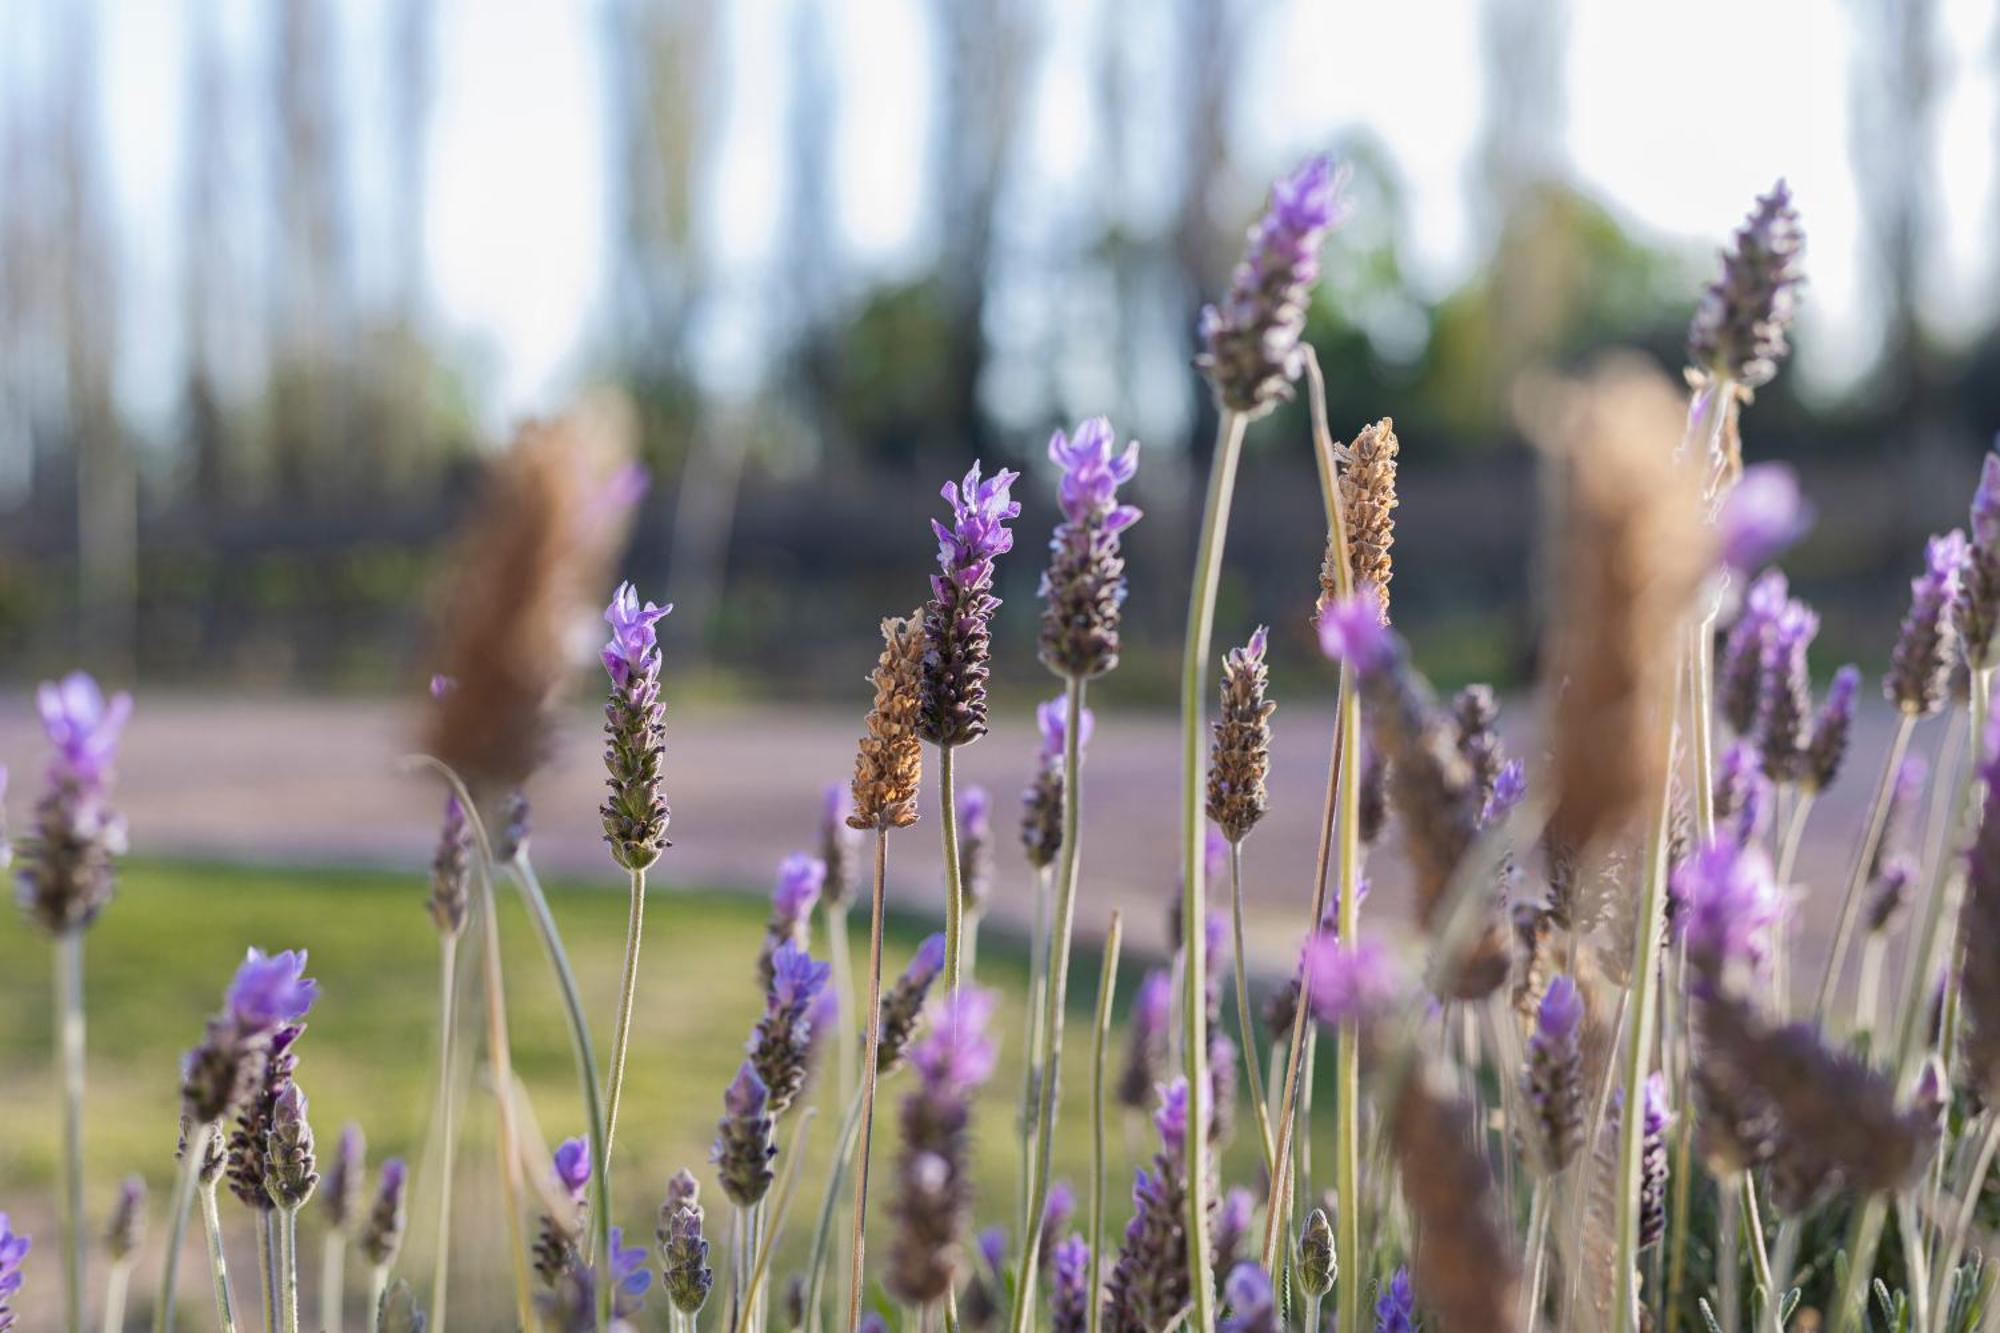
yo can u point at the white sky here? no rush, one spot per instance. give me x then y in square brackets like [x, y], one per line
[1678, 115]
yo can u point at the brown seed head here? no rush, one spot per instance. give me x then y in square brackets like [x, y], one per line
[891, 758]
[1368, 502]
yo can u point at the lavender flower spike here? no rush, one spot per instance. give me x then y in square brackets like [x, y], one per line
[1762, 516]
[1926, 643]
[264, 1002]
[635, 815]
[66, 875]
[957, 621]
[975, 848]
[13, 1249]
[933, 1201]
[572, 1166]
[1251, 340]
[1146, 1038]
[1396, 1307]
[1356, 982]
[1658, 1117]
[801, 879]
[1828, 747]
[1083, 588]
[1738, 330]
[1351, 631]
[1726, 906]
[270, 990]
[903, 1006]
[782, 1044]
[1782, 711]
[743, 1146]
[1041, 801]
[1552, 1081]
[381, 1238]
[1252, 1307]
[1978, 604]
[1149, 1283]
[1069, 1296]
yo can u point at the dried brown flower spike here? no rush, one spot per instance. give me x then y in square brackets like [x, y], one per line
[1368, 503]
[891, 758]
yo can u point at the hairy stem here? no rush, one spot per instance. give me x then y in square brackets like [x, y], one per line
[288, 1268]
[332, 1263]
[628, 989]
[69, 1044]
[218, 1263]
[177, 1217]
[1245, 1024]
[267, 1267]
[868, 1081]
[1055, 1002]
[1107, 985]
[954, 889]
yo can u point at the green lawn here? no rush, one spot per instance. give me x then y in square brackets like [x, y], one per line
[159, 957]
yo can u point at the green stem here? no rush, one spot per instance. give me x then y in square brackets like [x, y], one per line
[1246, 1034]
[1701, 680]
[1055, 1003]
[1535, 1260]
[218, 1263]
[115, 1284]
[1760, 1257]
[499, 1056]
[1038, 981]
[288, 1267]
[177, 1216]
[267, 1267]
[954, 889]
[69, 1042]
[843, 1154]
[447, 1120]
[1638, 1052]
[769, 1227]
[1194, 901]
[599, 1242]
[1107, 985]
[621, 1032]
[332, 1277]
[858, 1261]
[1857, 879]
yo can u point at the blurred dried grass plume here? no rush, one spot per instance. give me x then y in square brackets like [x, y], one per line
[533, 560]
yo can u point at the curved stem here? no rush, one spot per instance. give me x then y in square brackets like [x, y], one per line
[1107, 985]
[1760, 1257]
[1975, 1185]
[499, 1056]
[177, 1216]
[858, 1263]
[1054, 1004]
[836, 1172]
[447, 1120]
[1864, 858]
[628, 989]
[69, 1043]
[954, 889]
[218, 1263]
[332, 1277]
[1194, 900]
[598, 1244]
[1252, 1064]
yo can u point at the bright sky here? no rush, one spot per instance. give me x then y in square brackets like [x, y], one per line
[1678, 115]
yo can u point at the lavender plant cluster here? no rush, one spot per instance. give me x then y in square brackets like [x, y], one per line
[1576, 1090]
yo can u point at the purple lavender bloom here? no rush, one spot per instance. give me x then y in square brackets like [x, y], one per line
[1764, 514]
[13, 1249]
[1551, 1080]
[1977, 608]
[782, 1045]
[980, 512]
[903, 1006]
[1560, 1012]
[1069, 1297]
[1351, 631]
[1146, 1030]
[441, 685]
[1093, 471]
[1051, 721]
[1171, 1119]
[6, 848]
[629, 1273]
[1396, 1307]
[269, 991]
[1057, 1210]
[800, 879]
[957, 621]
[743, 1146]
[1246, 1292]
[1154, 1003]
[1251, 340]
[1786, 695]
[1827, 748]
[1742, 793]
[83, 726]
[1509, 789]
[1726, 905]
[872, 1322]
[1740, 676]
[634, 649]
[1738, 330]
[955, 1055]
[795, 979]
[1232, 1226]
[572, 1163]
[1346, 983]
[975, 813]
[1920, 664]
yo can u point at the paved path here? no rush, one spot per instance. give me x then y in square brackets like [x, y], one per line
[315, 781]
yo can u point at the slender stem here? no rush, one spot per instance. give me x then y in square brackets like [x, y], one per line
[69, 1046]
[378, 1285]
[177, 1216]
[1107, 985]
[499, 1055]
[1056, 1002]
[768, 1229]
[1535, 1260]
[621, 1032]
[332, 1278]
[836, 1172]
[1795, 829]
[1247, 1036]
[598, 1244]
[1868, 991]
[218, 1263]
[447, 1119]
[1038, 981]
[868, 1080]
[1677, 1221]
[1638, 1052]
[1915, 1264]
[1975, 1185]
[1728, 1263]
[1760, 1257]
[1857, 879]
[1194, 902]
[1701, 679]
[954, 889]
[115, 1284]
[288, 1267]
[267, 1267]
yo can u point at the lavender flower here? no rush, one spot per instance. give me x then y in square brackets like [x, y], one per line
[1351, 632]
[1396, 1307]
[957, 621]
[781, 1045]
[1149, 1283]
[1762, 516]
[1658, 1117]
[743, 1146]
[839, 844]
[572, 1166]
[1057, 1210]
[1786, 701]
[1042, 801]
[1239, 759]
[1726, 905]
[903, 1006]
[451, 870]
[1083, 588]
[1069, 1282]
[800, 880]
[1926, 643]
[684, 1271]
[1232, 1227]
[1828, 746]
[1552, 1080]
[571, 1307]
[1348, 982]
[1978, 603]
[1251, 341]
[127, 1227]
[1252, 1308]
[1146, 1049]
[265, 997]
[6, 848]
[341, 1186]
[1318, 1264]
[250, 1141]
[1742, 793]
[290, 1171]
[13, 1249]
[381, 1238]
[1738, 330]
[975, 847]
[1510, 788]
[635, 816]
[66, 875]
[933, 1201]
[1740, 677]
